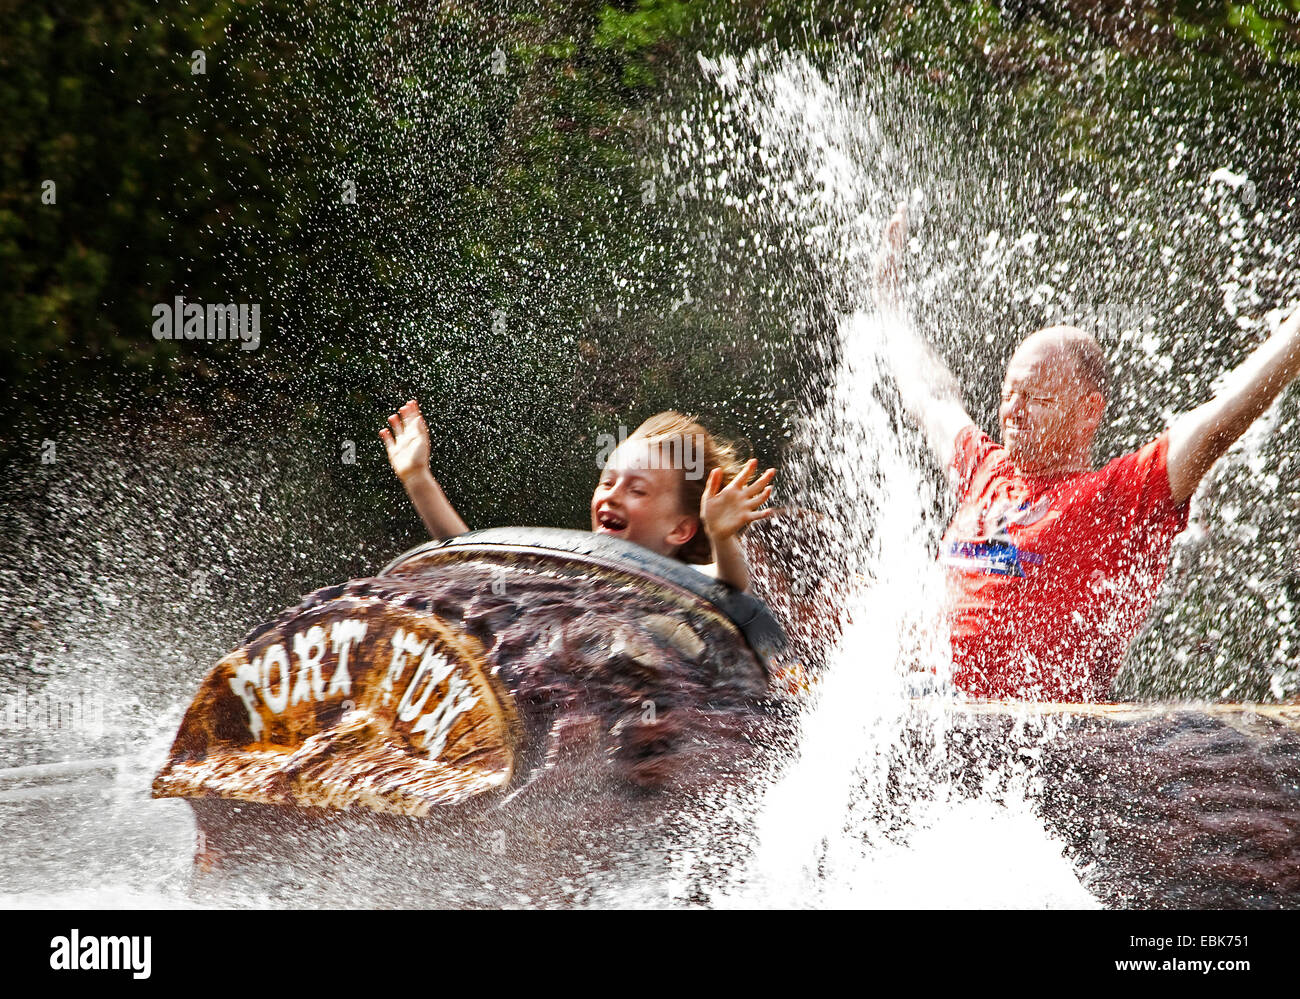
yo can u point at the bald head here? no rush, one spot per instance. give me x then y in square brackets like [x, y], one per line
[1053, 396]
[1080, 349]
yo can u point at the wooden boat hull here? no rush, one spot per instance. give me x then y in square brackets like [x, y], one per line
[1182, 806]
[1167, 806]
[517, 686]
[473, 670]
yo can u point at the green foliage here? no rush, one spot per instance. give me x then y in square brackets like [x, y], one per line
[652, 23]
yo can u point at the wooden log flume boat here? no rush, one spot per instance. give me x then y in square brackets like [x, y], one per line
[468, 669]
[471, 675]
[1180, 805]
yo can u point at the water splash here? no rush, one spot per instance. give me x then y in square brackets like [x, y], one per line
[862, 816]
[792, 155]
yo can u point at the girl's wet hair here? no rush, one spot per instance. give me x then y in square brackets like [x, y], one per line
[697, 453]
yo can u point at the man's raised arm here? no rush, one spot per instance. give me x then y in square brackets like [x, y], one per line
[930, 393]
[1198, 438]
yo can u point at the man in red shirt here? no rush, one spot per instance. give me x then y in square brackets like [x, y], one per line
[1052, 565]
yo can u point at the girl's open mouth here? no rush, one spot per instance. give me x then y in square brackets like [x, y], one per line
[610, 521]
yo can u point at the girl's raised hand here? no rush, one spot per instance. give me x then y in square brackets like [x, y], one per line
[407, 441]
[727, 511]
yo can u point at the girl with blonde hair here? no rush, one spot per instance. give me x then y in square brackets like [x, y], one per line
[671, 487]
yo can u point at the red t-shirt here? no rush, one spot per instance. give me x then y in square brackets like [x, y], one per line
[1050, 578]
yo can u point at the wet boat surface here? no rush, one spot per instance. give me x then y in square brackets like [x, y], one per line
[534, 701]
[475, 676]
[1180, 806]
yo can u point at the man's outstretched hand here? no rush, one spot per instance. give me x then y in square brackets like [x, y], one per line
[1198, 438]
[888, 268]
[407, 441]
[929, 392]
